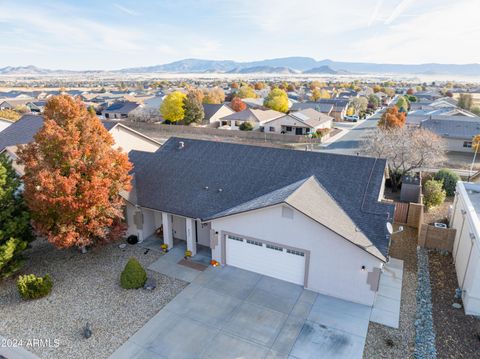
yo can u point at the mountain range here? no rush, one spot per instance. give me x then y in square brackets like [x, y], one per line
[286, 65]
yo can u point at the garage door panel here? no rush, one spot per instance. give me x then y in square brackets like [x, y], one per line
[267, 261]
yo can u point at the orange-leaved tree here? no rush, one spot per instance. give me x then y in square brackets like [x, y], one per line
[237, 104]
[392, 118]
[73, 177]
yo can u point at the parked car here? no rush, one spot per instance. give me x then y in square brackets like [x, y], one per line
[353, 118]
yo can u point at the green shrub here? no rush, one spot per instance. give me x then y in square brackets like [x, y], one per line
[133, 276]
[32, 287]
[449, 179]
[245, 126]
[433, 193]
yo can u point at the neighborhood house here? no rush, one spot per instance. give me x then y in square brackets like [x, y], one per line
[313, 219]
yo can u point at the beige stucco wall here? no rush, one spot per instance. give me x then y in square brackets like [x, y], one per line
[129, 140]
[335, 263]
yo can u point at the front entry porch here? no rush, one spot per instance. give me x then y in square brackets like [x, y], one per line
[173, 263]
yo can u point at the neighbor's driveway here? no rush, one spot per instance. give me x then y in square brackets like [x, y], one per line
[232, 313]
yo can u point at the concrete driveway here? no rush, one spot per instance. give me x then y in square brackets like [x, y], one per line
[232, 313]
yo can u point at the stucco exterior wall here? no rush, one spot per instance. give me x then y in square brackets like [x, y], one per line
[222, 112]
[335, 266]
[466, 248]
[129, 140]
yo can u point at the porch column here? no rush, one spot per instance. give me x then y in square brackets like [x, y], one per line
[167, 229]
[191, 237]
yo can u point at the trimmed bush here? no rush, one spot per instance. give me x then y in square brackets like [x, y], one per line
[245, 126]
[32, 287]
[133, 276]
[433, 193]
[449, 179]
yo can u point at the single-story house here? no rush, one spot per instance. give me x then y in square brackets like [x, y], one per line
[256, 117]
[214, 112]
[340, 106]
[22, 132]
[299, 122]
[12, 104]
[119, 109]
[310, 218]
[325, 108]
[466, 247]
[456, 131]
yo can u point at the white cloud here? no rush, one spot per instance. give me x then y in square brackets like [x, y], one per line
[445, 34]
[398, 10]
[126, 10]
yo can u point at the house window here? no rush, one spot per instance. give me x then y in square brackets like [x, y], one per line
[297, 253]
[288, 128]
[236, 238]
[275, 248]
[238, 123]
[467, 144]
[272, 129]
[255, 243]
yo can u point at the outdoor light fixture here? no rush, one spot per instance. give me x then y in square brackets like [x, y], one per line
[364, 268]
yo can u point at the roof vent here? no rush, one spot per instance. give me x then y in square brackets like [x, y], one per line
[220, 190]
[181, 145]
[206, 187]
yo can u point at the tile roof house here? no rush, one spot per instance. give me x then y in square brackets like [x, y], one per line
[22, 132]
[214, 112]
[255, 116]
[299, 122]
[310, 218]
[325, 108]
[119, 109]
[456, 131]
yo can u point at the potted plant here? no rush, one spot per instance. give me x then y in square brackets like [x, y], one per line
[164, 248]
[188, 254]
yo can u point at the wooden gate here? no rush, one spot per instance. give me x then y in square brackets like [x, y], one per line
[401, 212]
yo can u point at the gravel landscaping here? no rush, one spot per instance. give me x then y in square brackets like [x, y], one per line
[385, 342]
[457, 334]
[425, 333]
[86, 289]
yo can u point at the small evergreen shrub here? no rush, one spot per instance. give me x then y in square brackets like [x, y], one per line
[133, 276]
[32, 287]
[449, 179]
[433, 193]
[245, 126]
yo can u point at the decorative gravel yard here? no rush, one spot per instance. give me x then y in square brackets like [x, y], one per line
[86, 289]
[457, 334]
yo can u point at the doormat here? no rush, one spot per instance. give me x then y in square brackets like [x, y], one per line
[194, 265]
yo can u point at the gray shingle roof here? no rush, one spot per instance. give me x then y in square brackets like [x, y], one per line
[321, 107]
[20, 132]
[174, 180]
[122, 107]
[460, 127]
[23, 130]
[211, 109]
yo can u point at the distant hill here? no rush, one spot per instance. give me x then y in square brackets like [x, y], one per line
[321, 70]
[286, 65]
[264, 70]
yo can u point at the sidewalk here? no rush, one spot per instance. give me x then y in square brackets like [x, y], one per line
[11, 352]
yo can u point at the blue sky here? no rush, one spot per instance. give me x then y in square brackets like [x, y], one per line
[87, 34]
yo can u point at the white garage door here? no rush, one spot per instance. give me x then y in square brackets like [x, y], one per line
[273, 261]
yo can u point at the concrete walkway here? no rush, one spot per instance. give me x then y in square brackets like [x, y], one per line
[386, 309]
[231, 313]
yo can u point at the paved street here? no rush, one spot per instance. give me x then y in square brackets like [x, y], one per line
[349, 144]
